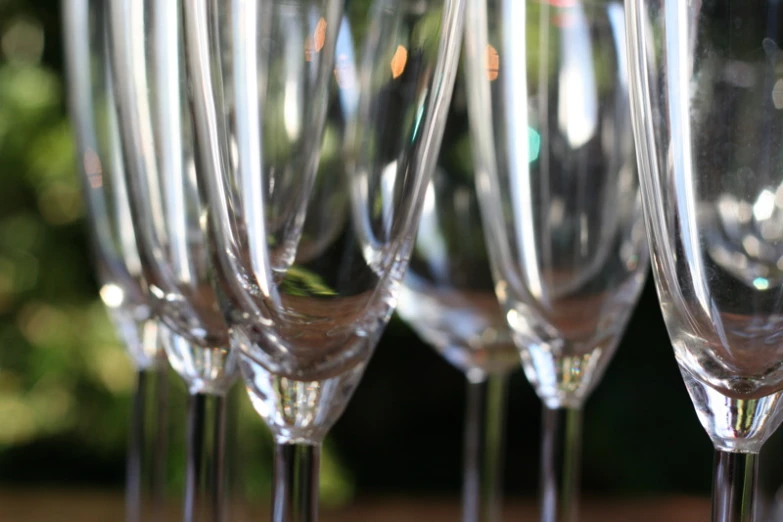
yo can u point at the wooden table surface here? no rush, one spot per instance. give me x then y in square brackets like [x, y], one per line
[63, 506]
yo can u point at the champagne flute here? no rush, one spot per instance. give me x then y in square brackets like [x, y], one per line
[123, 287]
[548, 100]
[147, 60]
[707, 96]
[318, 125]
[448, 298]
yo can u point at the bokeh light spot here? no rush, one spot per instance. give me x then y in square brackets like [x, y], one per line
[493, 63]
[399, 60]
[319, 38]
[112, 295]
[761, 283]
[533, 143]
[23, 41]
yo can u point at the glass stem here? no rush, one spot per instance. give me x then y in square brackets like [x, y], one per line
[146, 461]
[295, 497]
[204, 476]
[485, 419]
[159, 456]
[560, 462]
[734, 486]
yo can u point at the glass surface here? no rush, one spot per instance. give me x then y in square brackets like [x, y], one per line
[448, 296]
[91, 102]
[322, 124]
[156, 126]
[557, 178]
[708, 121]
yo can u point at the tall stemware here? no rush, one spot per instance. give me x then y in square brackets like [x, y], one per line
[707, 95]
[548, 101]
[123, 288]
[318, 125]
[147, 59]
[448, 298]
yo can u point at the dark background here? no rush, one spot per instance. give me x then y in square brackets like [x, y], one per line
[65, 383]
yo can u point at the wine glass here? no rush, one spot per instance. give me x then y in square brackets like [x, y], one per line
[318, 125]
[707, 97]
[147, 60]
[123, 288]
[448, 298]
[548, 101]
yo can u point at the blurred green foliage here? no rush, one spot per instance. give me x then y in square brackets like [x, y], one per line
[59, 351]
[65, 383]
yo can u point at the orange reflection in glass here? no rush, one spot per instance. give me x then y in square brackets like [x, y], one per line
[93, 168]
[399, 60]
[493, 63]
[316, 41]
[320, 34]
